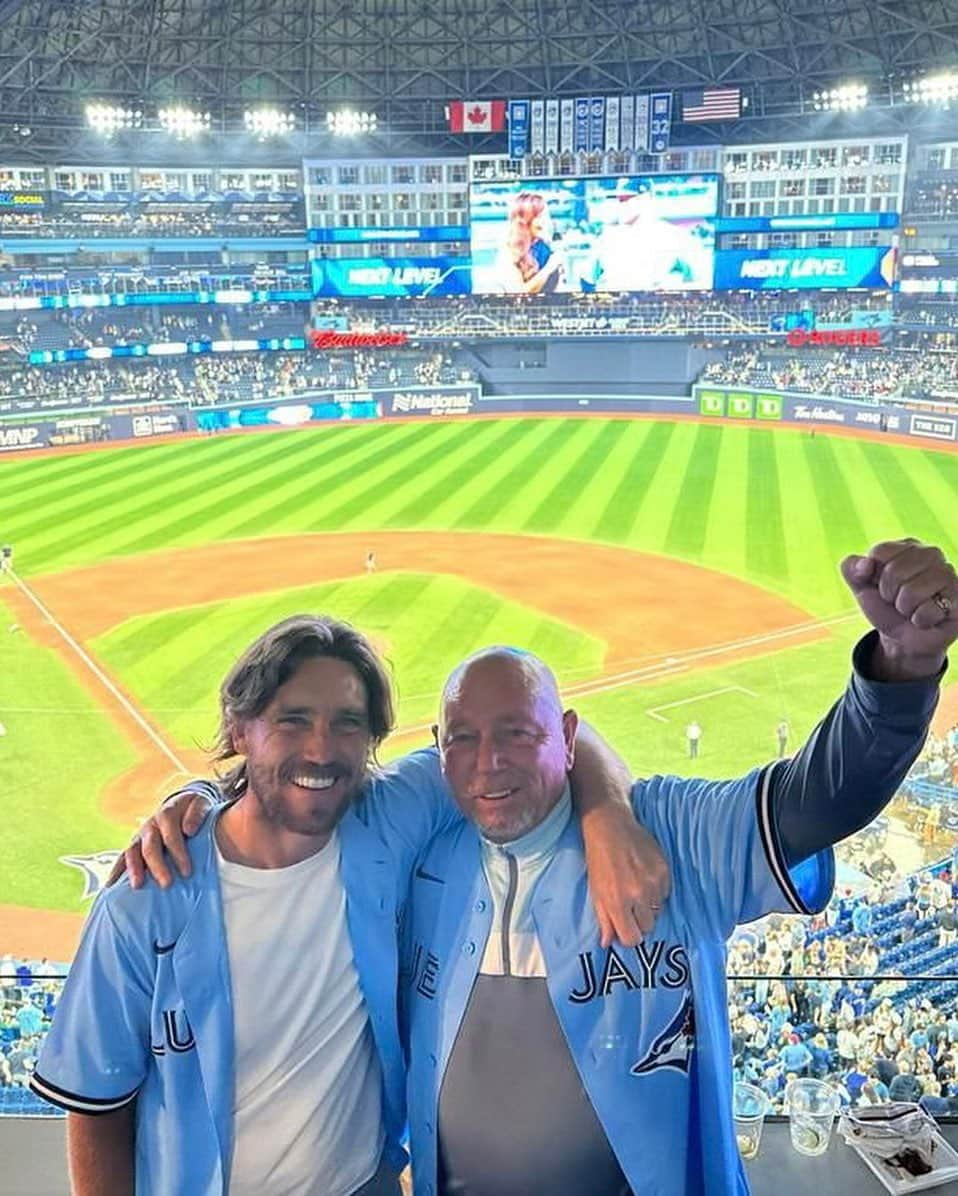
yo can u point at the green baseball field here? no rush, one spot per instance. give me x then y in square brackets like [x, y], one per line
[671, 572]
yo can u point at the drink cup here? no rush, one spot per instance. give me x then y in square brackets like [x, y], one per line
[812, 1106]
[749, 1106]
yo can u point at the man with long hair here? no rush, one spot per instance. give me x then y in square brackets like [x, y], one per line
[238, 1031]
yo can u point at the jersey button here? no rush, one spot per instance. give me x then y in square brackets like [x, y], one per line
[469, 948]
[433, 1060]
[480, 906]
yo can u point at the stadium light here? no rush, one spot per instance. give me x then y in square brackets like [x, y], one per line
[269, 122]
[932, 89]
[347, 123]
[107, 119]
[850, 98]
[182, 122]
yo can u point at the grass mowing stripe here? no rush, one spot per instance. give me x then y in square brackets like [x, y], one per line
[78, 470]
[168, 657]
[402, 466]
[217, 517]
[765, 554]
[179, 498]
[839, 518]
[380, 607]
[915, 513]
[305, 486]
[457, 440]
[151, 485]
[687, 528]
[486, 449]
[582, 473]
[502, 490]
[635, 485]
[946, 465]
[87, 495]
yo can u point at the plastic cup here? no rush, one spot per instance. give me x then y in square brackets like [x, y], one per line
[749, 1106]
[812, 1106]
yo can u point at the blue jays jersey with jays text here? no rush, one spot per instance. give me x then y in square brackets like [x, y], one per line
[647, 1027]
[146, 1013]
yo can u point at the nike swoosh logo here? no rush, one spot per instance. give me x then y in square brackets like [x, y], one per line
[422, 874]
[162, 949]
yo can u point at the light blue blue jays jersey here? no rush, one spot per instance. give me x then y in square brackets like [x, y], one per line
[146, 1011]
[647, 1027]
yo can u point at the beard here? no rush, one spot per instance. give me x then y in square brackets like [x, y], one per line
[286, 806]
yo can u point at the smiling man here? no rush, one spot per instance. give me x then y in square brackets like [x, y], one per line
[237, 1032]
[544, 1060]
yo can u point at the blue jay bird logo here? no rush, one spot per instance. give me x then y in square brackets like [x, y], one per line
[96, 869]
[673, 1047]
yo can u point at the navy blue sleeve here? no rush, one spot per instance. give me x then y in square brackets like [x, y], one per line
[853, 762]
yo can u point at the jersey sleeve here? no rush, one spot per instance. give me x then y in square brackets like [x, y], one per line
[97, 1051]
[728, 865]
[408, 804]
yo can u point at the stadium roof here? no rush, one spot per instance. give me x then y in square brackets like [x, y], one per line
[405, 59]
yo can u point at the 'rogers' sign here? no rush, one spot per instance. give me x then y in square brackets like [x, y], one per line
[325, 339]
[799, 338]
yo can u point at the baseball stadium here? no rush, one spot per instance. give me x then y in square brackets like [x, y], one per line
[604, 332]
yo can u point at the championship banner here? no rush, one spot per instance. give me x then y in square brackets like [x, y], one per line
[552, 126]
[518, 129]
[660, 122]
[566, 126]
[538, 127]
[640, 136]
[581, 140]
[597, 124]
[627, 123]
[612, 123]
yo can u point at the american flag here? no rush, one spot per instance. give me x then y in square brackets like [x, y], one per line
[711, 103]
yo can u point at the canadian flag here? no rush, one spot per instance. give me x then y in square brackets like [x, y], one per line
[476, 116]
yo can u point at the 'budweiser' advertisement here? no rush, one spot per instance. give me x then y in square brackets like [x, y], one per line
[326, 338]
[863, 338]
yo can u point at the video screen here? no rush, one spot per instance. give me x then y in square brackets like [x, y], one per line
[637, 233]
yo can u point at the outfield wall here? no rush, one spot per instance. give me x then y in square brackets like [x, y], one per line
[934, 422]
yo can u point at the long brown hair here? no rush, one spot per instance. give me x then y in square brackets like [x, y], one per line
[528, 207]
[269, 662]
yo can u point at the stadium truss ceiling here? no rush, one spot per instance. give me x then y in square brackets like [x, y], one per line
[405, 59]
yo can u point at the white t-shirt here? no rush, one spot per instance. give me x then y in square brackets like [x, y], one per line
[307, 1106]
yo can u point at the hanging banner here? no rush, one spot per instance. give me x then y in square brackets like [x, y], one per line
[518, 129]
[566, 126]
[612, 123]
[581, 141]
[552, 126]
[597, 124]
[660, 121]
[641, 134]
[627, 123]
[538, 127]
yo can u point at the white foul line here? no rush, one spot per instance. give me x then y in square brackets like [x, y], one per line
[99, 674]
[712, 693]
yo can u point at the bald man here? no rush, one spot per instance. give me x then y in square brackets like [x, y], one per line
[541, 1061]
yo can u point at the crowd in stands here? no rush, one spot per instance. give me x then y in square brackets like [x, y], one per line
[29, 990]
[146, 279]
[226, 377]
[874, 374]
[84, 328]
[834, 997]
[503, 316]
[935, 199]
[188, 220]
